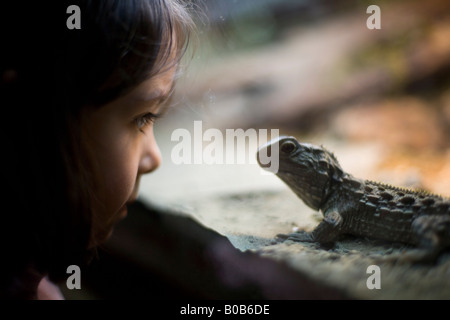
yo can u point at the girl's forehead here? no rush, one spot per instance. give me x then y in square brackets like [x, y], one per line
[156, 87]
[150, 92]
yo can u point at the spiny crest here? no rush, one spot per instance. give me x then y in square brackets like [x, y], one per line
[415, 192]
[330, 153]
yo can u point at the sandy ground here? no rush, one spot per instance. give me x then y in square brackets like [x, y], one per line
[251, 208]
[252, 220]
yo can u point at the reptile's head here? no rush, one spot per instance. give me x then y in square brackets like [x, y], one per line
[307, 169]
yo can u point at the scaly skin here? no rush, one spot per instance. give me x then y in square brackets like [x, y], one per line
[360, 207]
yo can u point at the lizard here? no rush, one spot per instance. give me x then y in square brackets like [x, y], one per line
[358, 207]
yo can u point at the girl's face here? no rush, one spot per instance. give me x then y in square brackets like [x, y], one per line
[122, 143]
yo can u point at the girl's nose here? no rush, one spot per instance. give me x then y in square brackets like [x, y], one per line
[151, 155]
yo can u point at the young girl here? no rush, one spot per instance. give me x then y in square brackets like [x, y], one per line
[78, 107]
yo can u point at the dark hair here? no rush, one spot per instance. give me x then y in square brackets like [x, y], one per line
[49, 74]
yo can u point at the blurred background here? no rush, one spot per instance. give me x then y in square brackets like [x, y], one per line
[379, 99]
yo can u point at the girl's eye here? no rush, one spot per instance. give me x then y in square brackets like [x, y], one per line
[145, 120]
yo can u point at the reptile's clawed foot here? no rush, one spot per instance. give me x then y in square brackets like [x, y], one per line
[300, 236]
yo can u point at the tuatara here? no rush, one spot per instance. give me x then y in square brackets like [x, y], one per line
[359, 207]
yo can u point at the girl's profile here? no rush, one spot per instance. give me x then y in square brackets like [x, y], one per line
[77, 127]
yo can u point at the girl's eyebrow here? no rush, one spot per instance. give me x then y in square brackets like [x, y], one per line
[157, 95]
[154, 95]
[164, 99]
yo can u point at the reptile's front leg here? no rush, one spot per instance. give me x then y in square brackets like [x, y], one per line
[328, 231]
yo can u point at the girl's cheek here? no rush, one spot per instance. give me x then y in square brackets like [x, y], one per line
[118, 177]
[126, 175]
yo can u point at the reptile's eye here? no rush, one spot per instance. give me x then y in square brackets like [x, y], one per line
[288, 147]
